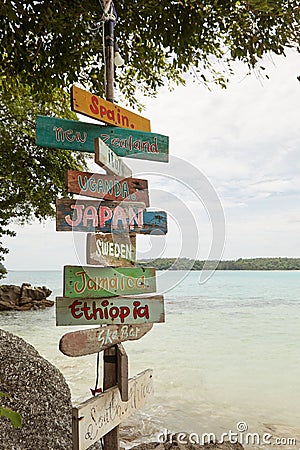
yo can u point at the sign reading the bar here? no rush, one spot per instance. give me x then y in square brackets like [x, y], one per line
[107, 217]
[87, 342]
[109, 311]
[111, 249]
[75, 135]
[96, 107]
[97, 416]
[106, 158]
[107, 187]
[93, 282]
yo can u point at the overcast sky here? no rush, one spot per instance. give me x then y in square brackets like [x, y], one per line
[235, 154]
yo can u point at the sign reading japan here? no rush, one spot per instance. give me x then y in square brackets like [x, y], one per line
[106, 217]
[109, 311]
[75, 135]
[97, 416]
[108, 187]
[93, 282]
[91, 105]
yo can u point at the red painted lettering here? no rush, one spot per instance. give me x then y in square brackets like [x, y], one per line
[105, 214]
[74, 309]
[94, 105]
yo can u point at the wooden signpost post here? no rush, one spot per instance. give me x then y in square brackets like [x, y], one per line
[68, 134]
[107, 292]
[108, 187]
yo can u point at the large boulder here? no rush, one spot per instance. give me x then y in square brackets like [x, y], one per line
[38, 391]
[25, 297]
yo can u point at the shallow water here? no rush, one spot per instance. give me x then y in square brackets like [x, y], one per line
[228, 353]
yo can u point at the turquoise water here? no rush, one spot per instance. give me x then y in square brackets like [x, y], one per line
[228, 352]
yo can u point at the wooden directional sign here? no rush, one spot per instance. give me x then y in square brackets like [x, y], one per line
[97, 416]
[87, 342]
[111, 249]
[107, 187]
[108, 160]
[106, 217]
[98, 282]
[96, 107]
[75, 135]
[109, 311]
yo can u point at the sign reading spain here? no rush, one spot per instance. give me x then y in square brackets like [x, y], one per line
[96, 107]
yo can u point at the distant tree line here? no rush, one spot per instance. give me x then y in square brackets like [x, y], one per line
[239, 264]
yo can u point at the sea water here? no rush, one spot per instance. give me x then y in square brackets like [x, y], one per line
[227, 356]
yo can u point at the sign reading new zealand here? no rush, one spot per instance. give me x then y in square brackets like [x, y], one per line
[75, 135]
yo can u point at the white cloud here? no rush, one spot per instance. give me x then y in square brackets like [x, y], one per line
[245, 140]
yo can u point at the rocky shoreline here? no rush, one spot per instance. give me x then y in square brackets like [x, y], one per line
[24, 298]
[39, 392]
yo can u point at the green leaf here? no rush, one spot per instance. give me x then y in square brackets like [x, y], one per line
[15, 418]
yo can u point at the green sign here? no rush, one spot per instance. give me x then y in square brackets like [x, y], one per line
[74, 135]
[98, 282]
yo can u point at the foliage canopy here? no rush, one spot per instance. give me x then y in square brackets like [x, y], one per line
[46, 45]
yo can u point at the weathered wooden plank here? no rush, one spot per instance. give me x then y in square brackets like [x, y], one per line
[113, 310]
[95, 340]
[91, 105]
[111, 440]
[100, 414]
[108, 187]
[98, 282]
[110, 161]
[107, 217]
[122, 368]
[75, 135]
[111, 249]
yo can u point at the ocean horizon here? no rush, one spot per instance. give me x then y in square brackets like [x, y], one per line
[227, 353]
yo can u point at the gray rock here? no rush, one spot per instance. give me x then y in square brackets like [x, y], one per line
[24, 297]
[38, 391]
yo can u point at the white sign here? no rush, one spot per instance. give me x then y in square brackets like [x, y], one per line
[97, 416]
[112, 163]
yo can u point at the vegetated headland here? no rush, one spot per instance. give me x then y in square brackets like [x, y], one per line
[239, 264]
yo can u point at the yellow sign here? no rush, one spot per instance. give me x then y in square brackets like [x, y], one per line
[96, 107]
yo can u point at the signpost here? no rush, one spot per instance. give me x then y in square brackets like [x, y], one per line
[95, 340]
[109, 311]
[107, 159]
[96, 107]
[97, 416]
[100, 282]
[107, 296]
[73, 135]
[107, 217]
[108, 187]
[118, 250]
